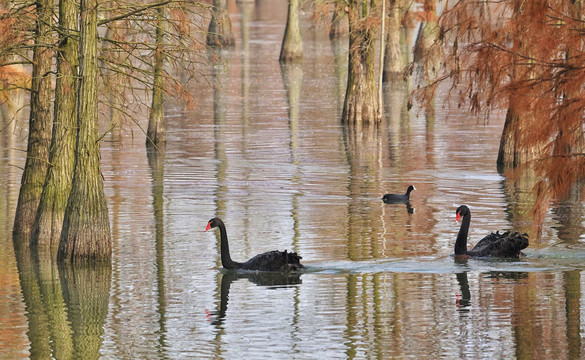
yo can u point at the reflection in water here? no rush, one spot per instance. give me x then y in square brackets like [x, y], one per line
[274, 280]
[265, 149]
[520, 200]
[408, 206]
[572, 287]
[570, 214]
[66, 306]
[292, 77]
[463, 300]
[40, 325]
[363, 148]
[156, 159]
[86, 293]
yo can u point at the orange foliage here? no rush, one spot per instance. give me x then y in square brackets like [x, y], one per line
[12, 77]
[529, 55]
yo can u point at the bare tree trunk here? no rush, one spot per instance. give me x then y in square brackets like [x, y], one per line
[51, 210]
[86, 226]
[156, 133]
[40, 121]
[292, 42]
[426, 48]
[514, 150]
[220, 27]
[338, 21]
[361, 104]
[394, 61]
[516, 147]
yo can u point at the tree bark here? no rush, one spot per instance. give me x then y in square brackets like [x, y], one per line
[394, 61]
[338, 21]
[361, 104]
[51, 210]
[156, 134]
[426, 48]
[514, 150]
[40, 121]
[516, 145]
[86, 227]
[292, 42]
[220, 31]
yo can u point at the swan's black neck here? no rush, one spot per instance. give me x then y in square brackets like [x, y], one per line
[226, 259]
[461, 243]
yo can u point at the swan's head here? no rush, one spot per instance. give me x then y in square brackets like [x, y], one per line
[213, 223]
[462, 211]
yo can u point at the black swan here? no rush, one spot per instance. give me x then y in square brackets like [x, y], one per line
[268, 261]
[398, 198]
[506, 245]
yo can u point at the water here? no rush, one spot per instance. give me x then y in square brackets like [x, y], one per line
[265, 152]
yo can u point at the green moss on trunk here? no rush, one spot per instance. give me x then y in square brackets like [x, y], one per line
[40, 121]
[51, 210]
[86, 226]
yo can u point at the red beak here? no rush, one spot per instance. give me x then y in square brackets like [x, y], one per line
[208, 226]
[458, 217]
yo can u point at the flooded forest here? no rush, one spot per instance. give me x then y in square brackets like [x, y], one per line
[372, 143]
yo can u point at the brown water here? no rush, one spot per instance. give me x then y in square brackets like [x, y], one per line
[265, 152]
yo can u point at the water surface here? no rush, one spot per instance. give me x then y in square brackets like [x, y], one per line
[264, 150]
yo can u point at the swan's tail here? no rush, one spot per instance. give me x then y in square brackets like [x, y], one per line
[513, 243]
[293, 260]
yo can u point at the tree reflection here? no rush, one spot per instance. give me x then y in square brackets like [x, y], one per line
[570, 214]
[156, 160]
[520, 198]
[66, 306]
[37, 306]
[86, 292]
[572, 287]
[292, 77]
[364, 151]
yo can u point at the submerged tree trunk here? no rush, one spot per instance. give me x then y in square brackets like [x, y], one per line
[37, 159]
[220, 27]
[514, 149]
[292, 42]
[361, 104]
[156, 134]
[427, 45]
[394, 61]
[517, 146]
[86, 226]
[51, 210]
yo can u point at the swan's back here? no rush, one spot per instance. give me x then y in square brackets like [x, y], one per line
[508, 245]
[274, 261]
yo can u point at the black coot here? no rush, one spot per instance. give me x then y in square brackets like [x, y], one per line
[398, 198]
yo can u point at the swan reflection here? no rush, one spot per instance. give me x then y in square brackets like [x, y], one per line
[272, 280]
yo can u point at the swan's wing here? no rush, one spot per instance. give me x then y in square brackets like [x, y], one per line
[495, 244]
[274, 261]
